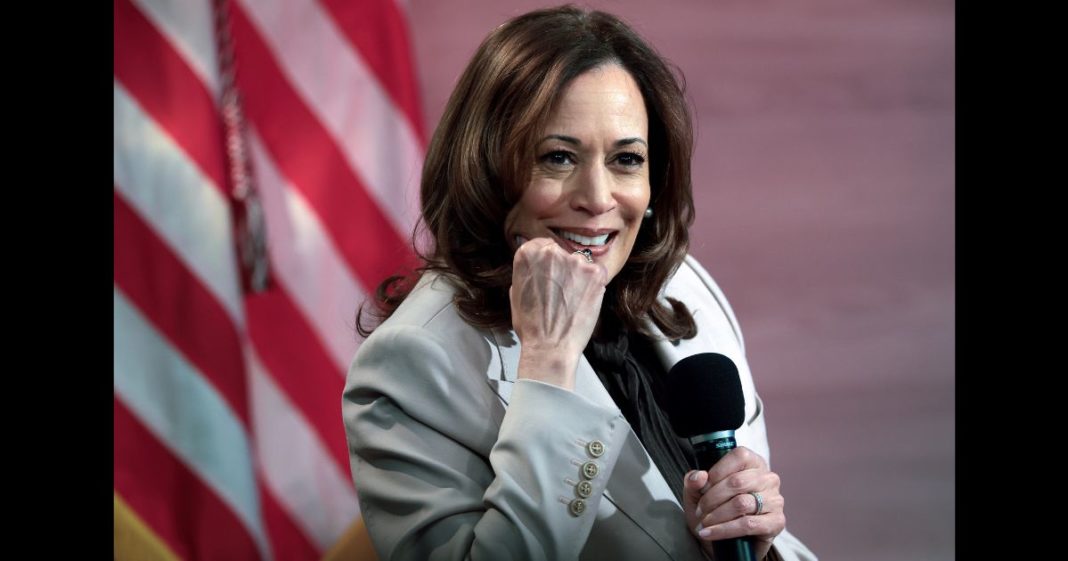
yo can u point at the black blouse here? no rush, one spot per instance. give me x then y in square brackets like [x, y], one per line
[633, 375]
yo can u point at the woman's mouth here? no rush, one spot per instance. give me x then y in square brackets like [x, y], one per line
[583, 240]
[572, 241]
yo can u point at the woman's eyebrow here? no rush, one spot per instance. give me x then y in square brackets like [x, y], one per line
[577, 142]
[565, 138]
[631, 140]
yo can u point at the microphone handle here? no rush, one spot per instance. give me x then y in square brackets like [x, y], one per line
[708, 452]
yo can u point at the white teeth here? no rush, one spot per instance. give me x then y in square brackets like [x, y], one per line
[599, 240]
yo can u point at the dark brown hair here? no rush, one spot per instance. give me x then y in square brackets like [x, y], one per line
[482, 153]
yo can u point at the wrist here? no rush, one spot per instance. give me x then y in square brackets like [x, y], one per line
[548, 367]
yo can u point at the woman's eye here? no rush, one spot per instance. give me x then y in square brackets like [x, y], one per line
[630, 160]
[558, 158]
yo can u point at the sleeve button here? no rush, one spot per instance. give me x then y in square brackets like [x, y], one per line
[577, 507]
[595, 448]
[584, 489]
[589, 470]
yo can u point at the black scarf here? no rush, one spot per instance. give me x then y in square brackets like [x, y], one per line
[633, 375]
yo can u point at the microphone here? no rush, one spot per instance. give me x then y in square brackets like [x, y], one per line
[705, 404]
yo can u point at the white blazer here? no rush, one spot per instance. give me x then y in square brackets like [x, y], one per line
[454, 458]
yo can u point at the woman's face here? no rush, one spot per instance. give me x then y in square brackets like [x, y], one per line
[590, 183]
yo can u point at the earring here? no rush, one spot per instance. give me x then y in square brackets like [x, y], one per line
[649, 212]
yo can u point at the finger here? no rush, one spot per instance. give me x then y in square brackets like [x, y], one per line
[743, 505]
[741, 458]
[577, 257]
[543, 244]
[527, 253]
[717, 494]
[595, 271]
[532, 243]
[691, 487]
[764, 527]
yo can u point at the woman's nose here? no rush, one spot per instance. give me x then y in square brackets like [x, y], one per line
[592, 192]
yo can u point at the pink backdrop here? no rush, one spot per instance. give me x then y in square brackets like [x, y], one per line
[824, 183]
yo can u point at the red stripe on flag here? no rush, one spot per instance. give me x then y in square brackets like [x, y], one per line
[179, 306]
[180, 508]
[379, 32]
[167, 88]
[284, 340]
[288, 542]
[300, 365]
[308, 157]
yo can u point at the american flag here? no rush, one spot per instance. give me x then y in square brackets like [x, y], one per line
[229, 441]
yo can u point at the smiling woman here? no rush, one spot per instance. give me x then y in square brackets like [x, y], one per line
[510, 404]
[489, 144]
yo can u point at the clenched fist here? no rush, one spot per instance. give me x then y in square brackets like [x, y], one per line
[556, 299]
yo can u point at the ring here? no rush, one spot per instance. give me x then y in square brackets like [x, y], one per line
[586, 253]
[760, 502]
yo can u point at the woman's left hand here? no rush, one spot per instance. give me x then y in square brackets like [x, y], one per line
[718, 503]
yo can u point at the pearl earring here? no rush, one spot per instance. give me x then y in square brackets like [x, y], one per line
[649, 212]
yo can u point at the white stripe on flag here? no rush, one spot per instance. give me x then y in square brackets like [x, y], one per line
[189, 27]
[186, 414]
[295, 465]
[338, 87]
[305, 260]
[184, 207]
[303, 254]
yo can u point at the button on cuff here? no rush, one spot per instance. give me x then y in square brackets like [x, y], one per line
[577, 507]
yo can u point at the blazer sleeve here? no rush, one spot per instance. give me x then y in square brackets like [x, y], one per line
[786, 546]
[419, 421]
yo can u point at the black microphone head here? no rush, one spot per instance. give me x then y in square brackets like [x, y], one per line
[704, 395]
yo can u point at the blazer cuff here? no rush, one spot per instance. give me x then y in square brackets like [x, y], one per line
[554, 455]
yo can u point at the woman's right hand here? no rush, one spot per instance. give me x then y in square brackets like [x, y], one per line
[556, 299]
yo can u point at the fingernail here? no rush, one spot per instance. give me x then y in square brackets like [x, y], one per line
[704, 532]
[697, 512]
[697, 528]
[693, 475]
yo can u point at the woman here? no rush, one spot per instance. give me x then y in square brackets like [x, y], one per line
[506, 408]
